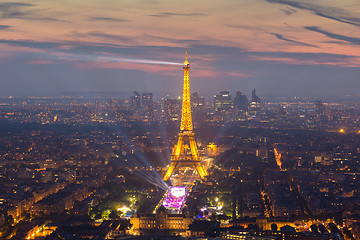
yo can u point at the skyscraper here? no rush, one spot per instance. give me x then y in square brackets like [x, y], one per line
[222, 101]
[135, 101]
[196, 101]
[198, 104]
[147, 106]
[172, 108]
[255, 104]
[241, 101]
[241, 105]
[254, 97]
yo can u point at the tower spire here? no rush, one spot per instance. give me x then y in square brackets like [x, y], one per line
[186, 61]
[186, 120]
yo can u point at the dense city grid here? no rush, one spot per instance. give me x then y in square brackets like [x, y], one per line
[81, 160]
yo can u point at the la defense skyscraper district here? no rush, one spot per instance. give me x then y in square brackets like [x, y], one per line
[185, 165]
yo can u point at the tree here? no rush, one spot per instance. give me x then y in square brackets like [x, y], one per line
[322, 229]
[274, 227]
[213, 217]
[10, 219]
[113, 215]
[287, 228]
[355, 230]
[348, 233]
[333, 229]
[253, 227]
[314, 228]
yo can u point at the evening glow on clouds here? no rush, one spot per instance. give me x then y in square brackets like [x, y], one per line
[281, 47]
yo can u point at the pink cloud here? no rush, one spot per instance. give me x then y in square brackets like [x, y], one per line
[238, 74]
[203, 72]
[35, 62]
[348, 62]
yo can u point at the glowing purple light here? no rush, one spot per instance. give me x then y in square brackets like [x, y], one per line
[175, 198]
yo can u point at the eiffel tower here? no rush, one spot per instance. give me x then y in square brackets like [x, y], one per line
[185, 157]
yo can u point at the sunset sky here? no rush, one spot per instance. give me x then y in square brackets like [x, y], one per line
[279, 47]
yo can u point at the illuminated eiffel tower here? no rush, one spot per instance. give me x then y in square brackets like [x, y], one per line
[185, 157]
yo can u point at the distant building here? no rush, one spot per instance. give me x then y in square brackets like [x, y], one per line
[60, 201]
[319, 108]
[241, 105]
[255, 104]
[212, 150]
[241, 101]
[147, 106]
[320, 112]
[110, 105]
[107, 230]
[196, 101]
[96, 107]
[235, 236]
[172, 109]
[222, 101]
[161, 220]
[135, 101]
[286, 233]
[197, 107]
[147, 100]
[204, 228]
[254, 97]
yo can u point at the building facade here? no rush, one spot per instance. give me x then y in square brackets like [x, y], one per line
[160, 221]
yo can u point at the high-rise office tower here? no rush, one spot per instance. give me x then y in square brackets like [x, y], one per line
[241, 105]
[147, 106]
[198, 104]
[135, 101]
[254, 97]
[172, 108]
[222, 101]
[197, 101]
[241, 101]
[255, 104]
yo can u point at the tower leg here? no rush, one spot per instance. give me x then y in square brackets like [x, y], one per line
[170, 170]
[193, 148]
[201, 170]
[179, 146]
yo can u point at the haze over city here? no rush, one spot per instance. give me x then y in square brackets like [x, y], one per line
[280, 47]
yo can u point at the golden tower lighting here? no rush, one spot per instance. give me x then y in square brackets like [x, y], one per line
[185, 153]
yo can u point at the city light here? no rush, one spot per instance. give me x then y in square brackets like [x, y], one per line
[178, 191]
[123, 209]
[175, 198]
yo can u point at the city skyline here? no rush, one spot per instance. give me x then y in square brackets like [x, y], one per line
[279, 47]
